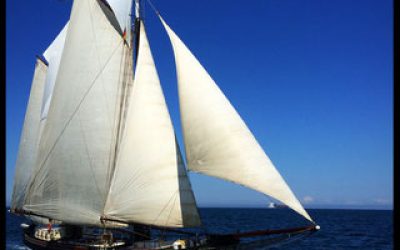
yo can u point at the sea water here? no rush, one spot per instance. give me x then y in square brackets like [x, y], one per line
[340, 228]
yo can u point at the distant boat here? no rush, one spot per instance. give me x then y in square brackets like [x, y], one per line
[274, 205]
[98, 155]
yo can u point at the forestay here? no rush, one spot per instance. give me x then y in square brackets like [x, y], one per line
[28, 146]
[77, 147]
[217, 141]
[150, 185]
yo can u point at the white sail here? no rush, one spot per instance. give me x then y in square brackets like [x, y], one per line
[150, 185]
[75, 161]
[217, 141]
[53, 56]
[28, 146]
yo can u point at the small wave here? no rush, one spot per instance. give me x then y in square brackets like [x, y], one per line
[17, 247]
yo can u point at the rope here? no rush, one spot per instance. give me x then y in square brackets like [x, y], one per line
[166, 205]
[295, 230]
[153, 7]
[169, 215]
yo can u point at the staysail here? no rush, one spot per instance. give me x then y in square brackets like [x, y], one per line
[28, 146]
[77, 147]
[150, 185]
[217, 141]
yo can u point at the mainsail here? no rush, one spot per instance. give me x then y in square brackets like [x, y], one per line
[217, 141]
[29, 138]
[76, 152]
[150, 185]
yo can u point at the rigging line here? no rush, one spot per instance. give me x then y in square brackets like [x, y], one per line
[170, 211]
[169, 215]
[166, 205]
[153, 7]
[143, 14]
[74, 112]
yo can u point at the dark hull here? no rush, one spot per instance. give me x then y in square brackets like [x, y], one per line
[228, 242]
[37, 244]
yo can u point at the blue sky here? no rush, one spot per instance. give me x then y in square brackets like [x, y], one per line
[312, 79]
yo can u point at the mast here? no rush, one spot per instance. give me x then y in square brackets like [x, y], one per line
[136, 32]
[144, 231]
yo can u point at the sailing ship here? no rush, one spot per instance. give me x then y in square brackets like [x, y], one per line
[99, 162]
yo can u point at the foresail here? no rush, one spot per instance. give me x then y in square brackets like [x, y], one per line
[29, 138]
[76, 152]
[217, 141]
[150, 185]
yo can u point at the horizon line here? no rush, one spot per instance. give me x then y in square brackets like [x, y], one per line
[339, 207]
